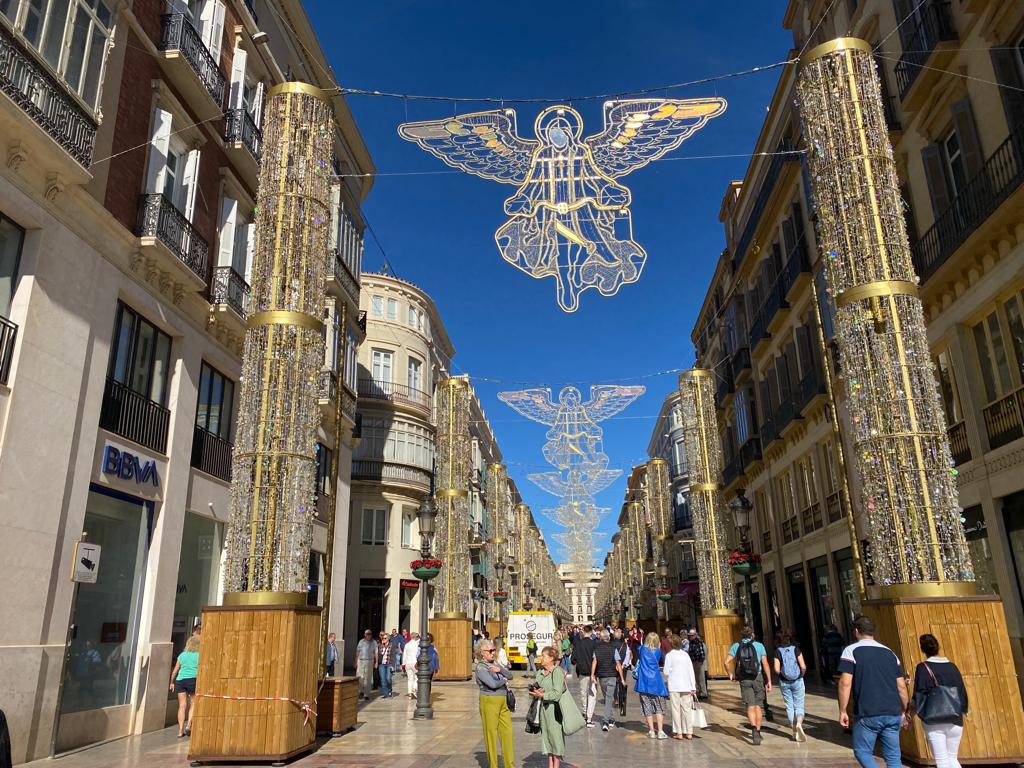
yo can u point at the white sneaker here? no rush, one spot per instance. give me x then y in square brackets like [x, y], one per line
[662, 735]
[652, 735]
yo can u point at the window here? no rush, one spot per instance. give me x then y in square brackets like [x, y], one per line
[407, 516]
[71, 35]
[237, 233]
[955, 172]
[400, 442]
[375, 526]
[140, 356]
[1015, 325]
[351, 346]
[393, 309]
[381, 361]
[377, 306]
[742, 416]
[948, 389]
[415, 374]
[324, 475]
[216, 401]
[995, 369]
[172, 170]
[11, 238]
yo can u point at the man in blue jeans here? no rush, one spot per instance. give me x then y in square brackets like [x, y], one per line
[871, 672]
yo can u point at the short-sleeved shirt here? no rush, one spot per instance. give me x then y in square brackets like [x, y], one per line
[758, 647]
[875, 669]
[188, 665]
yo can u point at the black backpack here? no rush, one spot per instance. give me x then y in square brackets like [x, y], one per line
[747, 667]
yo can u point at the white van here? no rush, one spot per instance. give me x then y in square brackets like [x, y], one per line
[541, 624]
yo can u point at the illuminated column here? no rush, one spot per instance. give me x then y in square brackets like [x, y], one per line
[453, 462]
[704, 457]
[919, 557]
[901, 450]
[274, 467]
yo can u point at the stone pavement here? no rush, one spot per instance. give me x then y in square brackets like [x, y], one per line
[387, 738]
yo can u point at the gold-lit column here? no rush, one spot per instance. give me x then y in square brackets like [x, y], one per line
[899, 430]
[704, 457]
[919, 557]
[452, 470]
[274, 465]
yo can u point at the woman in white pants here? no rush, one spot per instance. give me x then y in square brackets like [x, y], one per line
[409, 657]
[943, 728]
[682, 689]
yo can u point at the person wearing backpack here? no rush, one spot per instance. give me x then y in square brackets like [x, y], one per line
[790, 667]
[698, 655]
[747, 662]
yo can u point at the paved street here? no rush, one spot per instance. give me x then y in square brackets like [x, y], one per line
[386, 738]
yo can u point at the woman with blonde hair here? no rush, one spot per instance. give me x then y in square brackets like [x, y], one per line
[492, 679]
[183, 683]
[651, 686]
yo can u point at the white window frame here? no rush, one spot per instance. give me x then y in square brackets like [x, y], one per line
[414, 374]
[392, 309]
[377, 306]
[373, 514]
[378, 358]
[407, 521]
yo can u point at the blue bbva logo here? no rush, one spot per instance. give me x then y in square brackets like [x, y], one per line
[128, 467]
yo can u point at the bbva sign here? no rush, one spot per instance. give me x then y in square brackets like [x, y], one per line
[128, 466]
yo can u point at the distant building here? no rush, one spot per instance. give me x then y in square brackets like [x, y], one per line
[582, 588]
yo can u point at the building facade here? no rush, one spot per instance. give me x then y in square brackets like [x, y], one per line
[952, 75]
[133, 136]
[582, 589]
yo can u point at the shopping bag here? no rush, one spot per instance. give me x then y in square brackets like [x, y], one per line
[700, 717]
[572, 720]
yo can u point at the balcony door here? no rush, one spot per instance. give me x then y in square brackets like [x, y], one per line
[382, 370]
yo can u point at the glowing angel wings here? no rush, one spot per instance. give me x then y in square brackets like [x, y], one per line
[636, 131]
[606, 400]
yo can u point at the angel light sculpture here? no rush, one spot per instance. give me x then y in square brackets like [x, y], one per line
[569, 219]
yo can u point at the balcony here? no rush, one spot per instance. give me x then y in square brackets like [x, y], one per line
[348, 405]
[44, 102]
[790, 530]
[391, 472]
[764, 194]
[811, 518]
[723, 383]
[229, 289]
[211, 454]
[750, 452]
[758, 329]
[774, 304]
[833, 507]
[165, 231]
[958, 444]
[812, 385]
[340, 281]
[327, 393]
[1000, 177]
[797, 273]
[243, 141]
[1004, 419]
[134, 417]
[361, 322]
[396, 394]
[733, 470]
[786, 413]
[191, 66]
[929, 46]
[739, 363]
[769, 431]
[8, 336]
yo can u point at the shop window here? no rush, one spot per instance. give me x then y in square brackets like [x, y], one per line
[106, 616]
[11, 239]
[140, 356]
[198, 584]
[216, 402]
[375, 526]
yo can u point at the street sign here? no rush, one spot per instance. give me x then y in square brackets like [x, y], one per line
[86, 567]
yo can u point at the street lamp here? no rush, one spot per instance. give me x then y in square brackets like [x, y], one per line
[426, 514]
[740, 507]
[499, 578]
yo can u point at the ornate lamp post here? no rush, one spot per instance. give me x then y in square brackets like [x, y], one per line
[426, 516]
[740, 508]
[501, 596]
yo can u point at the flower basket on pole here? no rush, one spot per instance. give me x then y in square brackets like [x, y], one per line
[744, 563]
[426, 569]
[500, 597]
[664, 594]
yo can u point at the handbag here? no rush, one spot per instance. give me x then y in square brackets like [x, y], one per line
[941, 702]
[571, 718]
[700, 717]
[510, 699]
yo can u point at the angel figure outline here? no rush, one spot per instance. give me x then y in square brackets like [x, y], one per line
[569, 218]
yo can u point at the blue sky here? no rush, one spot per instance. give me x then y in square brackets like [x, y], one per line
[438, 230]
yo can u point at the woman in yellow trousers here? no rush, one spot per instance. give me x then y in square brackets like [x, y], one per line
[492, 679]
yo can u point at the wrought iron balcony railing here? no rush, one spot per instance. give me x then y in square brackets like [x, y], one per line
[833, 507]
[8, 335]
[42, 97]
[811, 385]
[723, 384]
[740, 361]
[1004, 419]
[733, 468]
[159, 218]
[229, 287]
[373, 389]
[958, 443]
[934, 25]
[811, 518]
[211, 454]
[135, 417]
[339, 271]
[240, 127]
[348, 405]
[1001, 175]
[769, 431]
[327, 385]
[789, 154]
[361, 322]
[380, 470]
[750, 451]
[790, 529]
[178, 34]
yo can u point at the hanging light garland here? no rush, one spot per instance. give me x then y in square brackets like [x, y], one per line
[704, 458]
[274, 462]
[900, 445]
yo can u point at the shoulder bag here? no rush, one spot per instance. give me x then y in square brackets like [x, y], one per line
[571, 718]
[700, 717]
[941, 702]
[510, 699]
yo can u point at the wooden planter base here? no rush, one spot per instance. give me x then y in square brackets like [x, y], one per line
[256, 652]
[719, 633]
[972, 632]
[337, 706]
[454, 641]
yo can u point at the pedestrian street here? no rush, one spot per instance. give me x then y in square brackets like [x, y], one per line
[386, 737]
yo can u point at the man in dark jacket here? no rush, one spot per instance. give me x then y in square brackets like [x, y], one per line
[583, 658]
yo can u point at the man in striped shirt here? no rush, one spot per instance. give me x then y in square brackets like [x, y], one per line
[384, 667]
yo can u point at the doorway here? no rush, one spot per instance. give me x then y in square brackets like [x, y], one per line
[372, 601]
[801, 617]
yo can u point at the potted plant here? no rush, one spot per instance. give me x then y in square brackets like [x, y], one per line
[744, 563]
[664, 594]
[426, 568]
[500, 596]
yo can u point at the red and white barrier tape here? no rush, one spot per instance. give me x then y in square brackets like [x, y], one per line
[305, 706]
